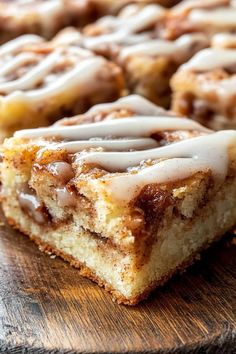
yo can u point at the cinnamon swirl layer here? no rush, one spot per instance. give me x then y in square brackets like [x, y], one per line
[126, 190]
[42, 81]
[204, 87]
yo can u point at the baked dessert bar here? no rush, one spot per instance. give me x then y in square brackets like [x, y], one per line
[132, 19]
[205, 87]
[147, 61]
[128, 199]
[41, 82]
[42, 17]
[207, 16]
[149, 66]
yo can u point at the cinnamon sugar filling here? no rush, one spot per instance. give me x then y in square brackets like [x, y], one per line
[31, 205]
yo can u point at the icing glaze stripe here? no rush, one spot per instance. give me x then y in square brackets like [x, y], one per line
[182, 160]
[80, 74]
[135, 126]
[19, 60]
[208, 59]
[193, 148]
[15, 44]
[33, 76]
[108, 144]
[164, 47]
[134, 22]
[221, 17]
[224, 40]
[136, 103]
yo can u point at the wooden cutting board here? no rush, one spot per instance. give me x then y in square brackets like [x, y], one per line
[46, 307]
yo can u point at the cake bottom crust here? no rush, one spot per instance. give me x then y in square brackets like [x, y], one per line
[85, 271]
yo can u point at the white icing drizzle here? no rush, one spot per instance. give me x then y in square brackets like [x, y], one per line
[224, 40]
[69, 35]
[109, 22]
[123, 29]
[142, 126]
[12, 46]
[220, 17]
[176, 48]
[83, 67]
[169, 163]
[189, 148]
[212, 58]
[139, 20]
[144, 18]
[19, 60]
[38, 80]
[133, 39]
[136, 103]
[33, 76]
[183, 159]
[108, 144]
[96, 42]
[81, 74]
[211, 13]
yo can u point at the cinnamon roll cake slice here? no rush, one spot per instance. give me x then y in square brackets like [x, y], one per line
[42, 17]
[205, 87]
[129, 196]
[205, 16]
[41, 82]
[150, 65]
[130, 40]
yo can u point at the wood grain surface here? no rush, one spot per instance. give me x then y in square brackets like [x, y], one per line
[46, 307]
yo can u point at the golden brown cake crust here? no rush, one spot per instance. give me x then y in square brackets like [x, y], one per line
[88, 273]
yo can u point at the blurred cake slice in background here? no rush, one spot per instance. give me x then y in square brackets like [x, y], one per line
[205, 87]
[131, 41]
[41, 17]
[41, 82]
[206, 16]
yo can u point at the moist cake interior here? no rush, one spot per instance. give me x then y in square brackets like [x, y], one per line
[125, 219]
